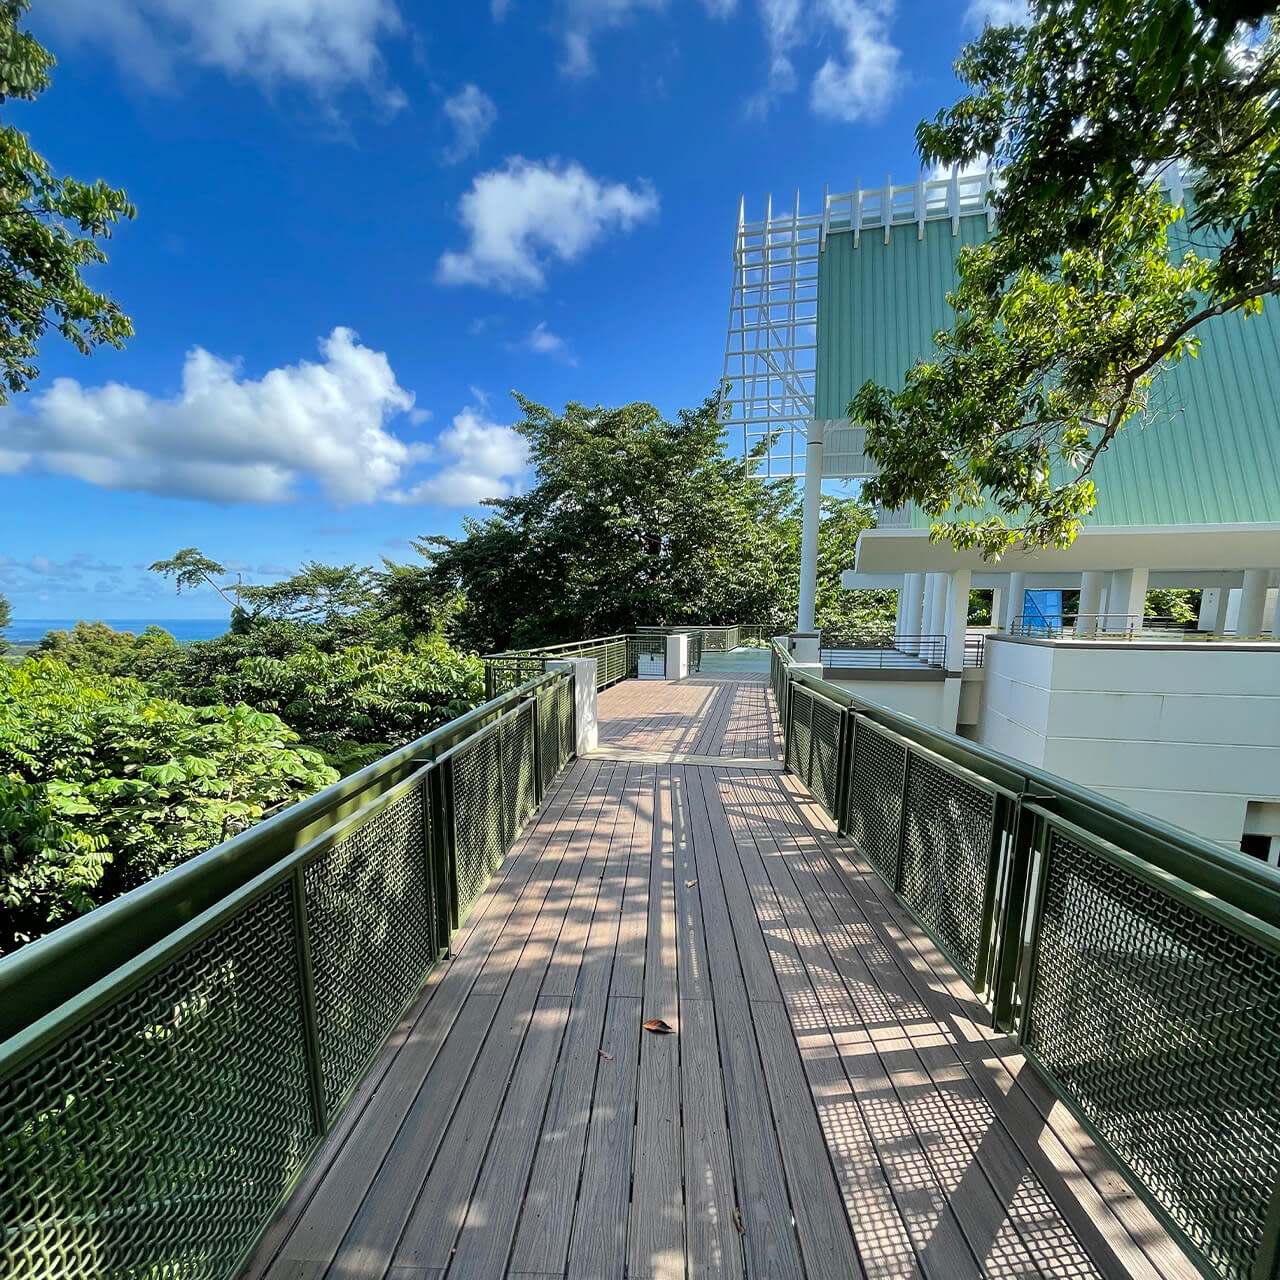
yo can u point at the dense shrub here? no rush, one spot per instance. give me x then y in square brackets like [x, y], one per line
[355, 705]
[105, 785]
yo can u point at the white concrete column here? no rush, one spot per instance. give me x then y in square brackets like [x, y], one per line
[1253, 600]
[1208, 608]
[957, 617]
[900, 612]
[678, 657]
[1014, 604]
[1126, 599]
[926, 602]
[936, 624]
[997, 603]
[1275, 624]
[1222, 612]
[810, 515]
[912, 615]
[1090, 603]
[586, 725]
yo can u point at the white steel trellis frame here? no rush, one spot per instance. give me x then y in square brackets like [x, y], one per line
[772, 342]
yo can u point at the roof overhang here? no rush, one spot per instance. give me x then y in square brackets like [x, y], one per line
[1157, 547]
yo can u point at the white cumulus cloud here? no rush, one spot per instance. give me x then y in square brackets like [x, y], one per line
[324, 45]
[861, 84]
[999, 13]
[481, 460]
[224, 437]
[523, 217]
[582, 20]
[543, 342]
[471, 113]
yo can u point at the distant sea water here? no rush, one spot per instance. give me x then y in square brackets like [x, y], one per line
[31, 630]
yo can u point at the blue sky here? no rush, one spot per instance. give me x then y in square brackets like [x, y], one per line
[361, 223]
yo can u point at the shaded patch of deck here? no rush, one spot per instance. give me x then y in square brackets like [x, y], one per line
[832, 1102]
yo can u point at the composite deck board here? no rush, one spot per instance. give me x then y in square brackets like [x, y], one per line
[832, 1101]
[546, 1220]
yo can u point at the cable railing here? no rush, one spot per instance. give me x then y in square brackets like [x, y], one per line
[170, 1063]
[1137, 966]
[883, 649]
[1099, 626]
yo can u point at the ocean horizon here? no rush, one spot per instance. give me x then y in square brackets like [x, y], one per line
[31, 630]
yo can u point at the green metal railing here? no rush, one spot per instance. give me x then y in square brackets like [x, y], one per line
[1137, 966]
[170, 1062]
[615, 656]
[621, 657]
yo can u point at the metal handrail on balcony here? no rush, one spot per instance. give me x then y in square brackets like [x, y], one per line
[1136, 965]
[170, 1063]
[879, 650]
[1096, 626]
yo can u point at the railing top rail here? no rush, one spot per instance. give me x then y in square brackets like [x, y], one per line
[1235, 878]
[51, 970]
[539, 651]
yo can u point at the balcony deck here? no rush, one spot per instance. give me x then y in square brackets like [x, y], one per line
[832, 1102]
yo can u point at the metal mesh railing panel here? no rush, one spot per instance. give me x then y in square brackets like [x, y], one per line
[369, 924]
[155, 1140]
[875, 798]
[477, 806]
[799, 736]
[519, 791]
[504, 674]
[946, 854]
[647, 655]
[549, 730]
[826, 723]
[1162, 1024]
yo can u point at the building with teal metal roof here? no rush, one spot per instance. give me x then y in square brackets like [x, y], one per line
[1206, 452]
[1182, 722]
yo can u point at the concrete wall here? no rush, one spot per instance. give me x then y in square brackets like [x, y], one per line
[1188, 733]
[922, 699]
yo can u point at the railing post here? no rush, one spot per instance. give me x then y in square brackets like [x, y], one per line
[1013, 916]
[310, 1019]
[538, 701]
[844, 769]
[902, 823]
[449, 834]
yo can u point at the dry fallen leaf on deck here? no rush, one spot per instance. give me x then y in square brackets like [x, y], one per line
[737, 1222]
[658, 1027]
[607, 1056]
[688, 884]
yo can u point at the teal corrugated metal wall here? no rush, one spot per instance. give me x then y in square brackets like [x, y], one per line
[1208, 450]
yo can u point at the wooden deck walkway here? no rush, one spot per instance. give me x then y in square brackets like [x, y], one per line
[830, 1101]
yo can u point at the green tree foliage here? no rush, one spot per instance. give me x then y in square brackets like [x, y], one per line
[838, 612]
[1094, 282]
[6, 617]
[352, 701]
[50, 228]
[631, 520]
[318, 593]
[357, 704]
[1173, 602]
[94, 646]
[105, 785]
